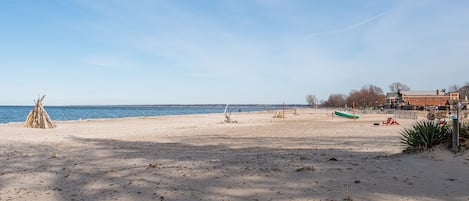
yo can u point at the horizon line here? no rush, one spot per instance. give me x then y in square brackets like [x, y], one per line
[150, 105]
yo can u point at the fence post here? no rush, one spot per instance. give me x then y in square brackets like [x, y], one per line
[455, 141]
[455, 138]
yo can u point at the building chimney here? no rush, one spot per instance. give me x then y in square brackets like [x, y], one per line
[437, 92]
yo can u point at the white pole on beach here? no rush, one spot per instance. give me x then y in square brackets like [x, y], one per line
[226, 108]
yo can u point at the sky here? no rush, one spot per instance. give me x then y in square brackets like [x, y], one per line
[101, 52]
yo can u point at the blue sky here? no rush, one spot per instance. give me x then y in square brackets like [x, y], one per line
[225, 51]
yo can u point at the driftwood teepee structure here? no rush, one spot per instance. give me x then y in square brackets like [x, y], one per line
[38, 117]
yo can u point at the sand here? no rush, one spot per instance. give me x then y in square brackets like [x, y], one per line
[308, 156]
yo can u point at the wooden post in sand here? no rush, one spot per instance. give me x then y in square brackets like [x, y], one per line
[455, 137]
[283, 116]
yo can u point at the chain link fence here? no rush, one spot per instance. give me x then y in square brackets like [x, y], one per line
[402, 114]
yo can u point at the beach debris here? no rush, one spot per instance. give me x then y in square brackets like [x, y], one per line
[305, 168]
[38, 117]
[152, 165]
[279, 114]
[57, 189]
[228, 116]
[54, 155]
[348, 199]
[347, 192]
[333, 159]
[277, 170]
[304, 158]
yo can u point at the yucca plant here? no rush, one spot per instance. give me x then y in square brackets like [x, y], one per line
[424, 135]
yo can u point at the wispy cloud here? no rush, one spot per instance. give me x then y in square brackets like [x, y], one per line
[350, 27]
[190, 45]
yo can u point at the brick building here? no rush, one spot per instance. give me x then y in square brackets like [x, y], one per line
[419, 99]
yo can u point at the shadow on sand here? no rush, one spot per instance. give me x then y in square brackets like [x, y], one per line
[105, 169]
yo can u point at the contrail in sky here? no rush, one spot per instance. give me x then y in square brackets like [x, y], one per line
[351, 27]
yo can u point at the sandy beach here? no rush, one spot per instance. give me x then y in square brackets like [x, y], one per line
[311, 155]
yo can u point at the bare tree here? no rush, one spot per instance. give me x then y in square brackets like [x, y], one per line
[368, 96]
[454, 88]
[462, 90]
[398, 86]
[311, 100]
[335, 100]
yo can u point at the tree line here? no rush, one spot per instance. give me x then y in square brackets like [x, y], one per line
[371, 96]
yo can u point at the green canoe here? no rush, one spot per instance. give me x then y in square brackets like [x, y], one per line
[348, 115]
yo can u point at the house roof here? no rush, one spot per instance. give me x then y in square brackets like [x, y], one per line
[392, 95]
[420, 93]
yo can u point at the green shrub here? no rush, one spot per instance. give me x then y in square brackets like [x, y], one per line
[464, 130]
[424, 135]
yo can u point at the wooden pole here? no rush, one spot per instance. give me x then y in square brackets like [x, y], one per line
[283, 110]
[455, 138]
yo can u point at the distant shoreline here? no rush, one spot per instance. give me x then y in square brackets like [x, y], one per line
[164, 105]
[149, 117]
[11, 114]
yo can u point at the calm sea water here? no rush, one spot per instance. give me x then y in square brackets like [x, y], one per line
[19, 113]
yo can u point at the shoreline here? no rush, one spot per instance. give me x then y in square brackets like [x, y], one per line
[151, 117]
[66, 113]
